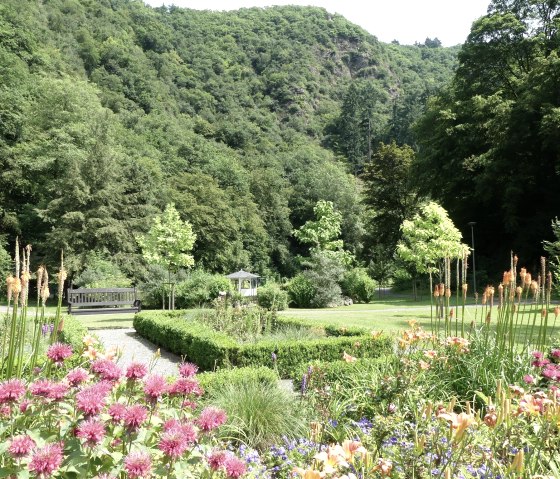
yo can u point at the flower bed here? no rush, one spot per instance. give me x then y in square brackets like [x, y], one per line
[102, 421]
[210, 349]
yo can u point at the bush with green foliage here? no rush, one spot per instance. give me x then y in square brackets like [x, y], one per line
[100, 272]
[325, 272]
[357, 285]
[272, 296]
[200, 289]
[301, 291]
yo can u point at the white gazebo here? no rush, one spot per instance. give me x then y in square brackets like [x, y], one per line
[244, 282]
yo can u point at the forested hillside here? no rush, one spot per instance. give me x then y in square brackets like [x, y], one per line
[489, 143]
[110, 109]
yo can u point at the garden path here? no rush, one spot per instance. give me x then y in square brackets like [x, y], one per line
[136, 348]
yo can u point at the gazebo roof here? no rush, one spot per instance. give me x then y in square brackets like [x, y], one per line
[242, 275]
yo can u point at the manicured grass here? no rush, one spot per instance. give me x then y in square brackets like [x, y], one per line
[106, 321]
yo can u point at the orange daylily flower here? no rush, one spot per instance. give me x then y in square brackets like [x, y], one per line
[384, 466]
[332, 458]
[351, 448]
[348, 358]
[308, 473]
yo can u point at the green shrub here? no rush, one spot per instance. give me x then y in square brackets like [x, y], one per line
[357, 285]
[301, 291]
[260, 415]
[324, 271]
[99, 272]
[272, 296]
[200, 289]
[213, 381]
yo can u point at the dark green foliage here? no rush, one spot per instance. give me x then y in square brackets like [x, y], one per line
[357, 285]
[272, 296]
[217, 380]
[488, 144]
[195, 341]
[99, 272]
[210, 349]
[110, 110]
[390, 197]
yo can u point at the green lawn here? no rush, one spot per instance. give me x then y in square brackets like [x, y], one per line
[390, 315]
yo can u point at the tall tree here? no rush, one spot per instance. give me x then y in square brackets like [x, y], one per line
[389, 194]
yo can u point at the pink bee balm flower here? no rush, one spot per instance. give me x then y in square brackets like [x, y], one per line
[77, 376]
[46, 460]
[136, 371]
[11, 390]
[217, 459]
[537, 354]
[138, 464]
[42, 388]
[57, 391]
[117, 411]
[155, 386]
[91, 400]
[234, 467]
[173, 443]
[21, 446]
[211, 418]
[187, 370]
[134, 416]
[184, 386]
[107, 370]
[92, 431]
[58, 352]
[529, 379]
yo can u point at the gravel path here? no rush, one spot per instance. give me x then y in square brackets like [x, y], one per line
[136, 348]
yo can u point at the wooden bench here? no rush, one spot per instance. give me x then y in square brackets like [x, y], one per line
[103, 301]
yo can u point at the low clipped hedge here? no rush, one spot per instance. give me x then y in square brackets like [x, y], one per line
[214, 381]
[73, 332]
[210, 349]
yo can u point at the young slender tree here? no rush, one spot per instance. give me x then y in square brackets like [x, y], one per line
[169, 243]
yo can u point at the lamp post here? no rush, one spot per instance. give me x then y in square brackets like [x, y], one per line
[471, 224]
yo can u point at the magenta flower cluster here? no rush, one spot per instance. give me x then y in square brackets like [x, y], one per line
[135, 421]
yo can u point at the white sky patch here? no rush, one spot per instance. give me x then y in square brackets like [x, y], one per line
[407, 21]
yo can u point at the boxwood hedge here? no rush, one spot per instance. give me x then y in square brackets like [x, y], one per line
[211, 349]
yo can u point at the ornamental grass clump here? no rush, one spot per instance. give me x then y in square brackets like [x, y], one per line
[99, 420]
[23, 339]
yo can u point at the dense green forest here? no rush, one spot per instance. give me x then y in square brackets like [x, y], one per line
[110, 109]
